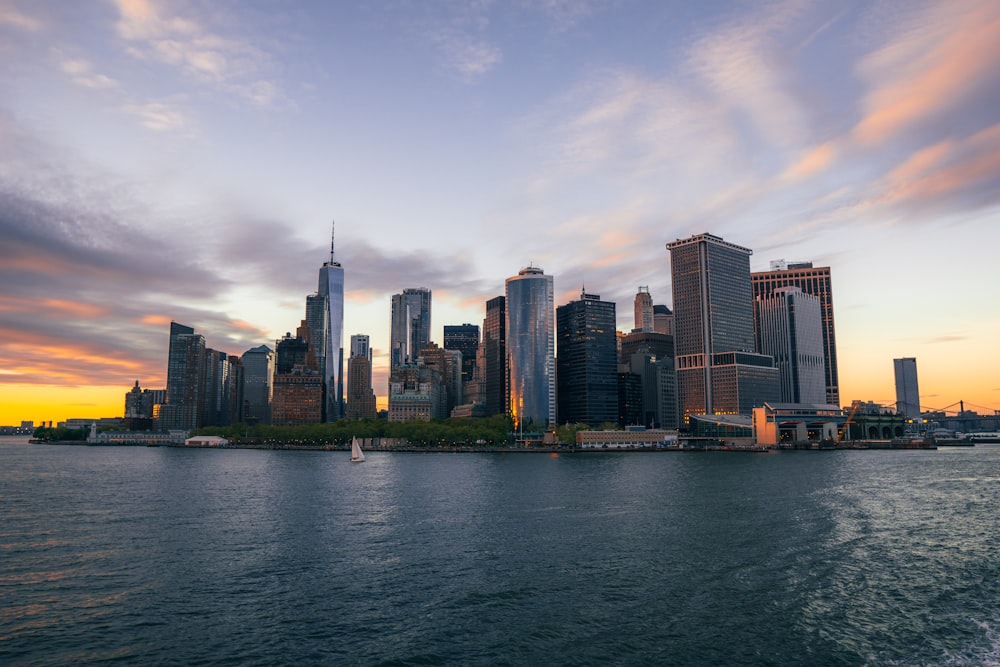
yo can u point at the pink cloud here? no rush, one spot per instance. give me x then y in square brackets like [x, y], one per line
[948, 168]
[929, 68]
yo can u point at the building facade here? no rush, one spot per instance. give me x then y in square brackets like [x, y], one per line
[258, 374]
[463, 338]
[907, 391]
[360, 395]
[531, 367]
[494, 369]
[297, 396]
[415, 394]
[790, 329]
[330, 360]
[185, 380]
[713, 320]
[643, 310]
[410, 326]
[817, 282]
[587, 361]
[650, 356]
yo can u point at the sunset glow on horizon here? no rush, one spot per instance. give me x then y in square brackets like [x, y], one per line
[182, 161]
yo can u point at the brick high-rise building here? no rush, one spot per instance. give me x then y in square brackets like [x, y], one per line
[360, 396]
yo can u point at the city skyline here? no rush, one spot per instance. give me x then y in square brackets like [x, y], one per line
[208, 149]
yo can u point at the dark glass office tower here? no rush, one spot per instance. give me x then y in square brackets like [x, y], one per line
[258, 371]
[185, 380]
[465, 339]
[587, 361]
[495, 356]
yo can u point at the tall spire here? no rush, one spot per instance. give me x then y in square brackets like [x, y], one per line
[333, 229]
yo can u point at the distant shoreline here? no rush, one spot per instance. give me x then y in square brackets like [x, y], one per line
[547, 449]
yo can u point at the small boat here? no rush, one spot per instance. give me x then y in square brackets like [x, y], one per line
[357, 456]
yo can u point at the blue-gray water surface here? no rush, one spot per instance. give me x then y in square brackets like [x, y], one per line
[134, 555]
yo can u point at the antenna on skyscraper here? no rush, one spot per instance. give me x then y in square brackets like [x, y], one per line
[332, 231]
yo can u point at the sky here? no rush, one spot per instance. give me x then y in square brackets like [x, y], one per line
[185, 161]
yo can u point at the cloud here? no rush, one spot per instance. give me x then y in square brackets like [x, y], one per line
[930, 68]
[814, 161]
[949, 338]
[566, 14]
[82, 75]
[460, 37]
[87, 293]
[11, 15]
[952, 174]
[156, 32]
[744, 67]
[158, 116]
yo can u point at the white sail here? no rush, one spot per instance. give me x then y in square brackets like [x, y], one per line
[357, 456]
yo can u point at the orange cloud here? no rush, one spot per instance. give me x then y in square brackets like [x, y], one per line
[155, 320]
[813, 162]
[948, 167]
[75, 308]
[929, 70]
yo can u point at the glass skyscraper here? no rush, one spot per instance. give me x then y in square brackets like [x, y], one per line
[587, 361]
[495, 356]
[907, 391]
[465, 339]
[531, 372]
[331, 361]
[258, 374]
[411, 325]
[185, 380]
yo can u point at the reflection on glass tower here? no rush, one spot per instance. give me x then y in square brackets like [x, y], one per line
[531, 364]
[331, 290]
[411, 325]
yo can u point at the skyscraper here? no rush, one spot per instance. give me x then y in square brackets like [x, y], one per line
[718, 370]
[411, 325]
[360, 396]
[815, 281]
[663, 320]
[650, 356]
[643, 309]
[318, 321]
[495, 356]
[587, 361]
[465, 339]
[907, 391]
[297, 397]
[185, 380]
[790, 329]
[331, 361]
[531, 399]
[258, 372]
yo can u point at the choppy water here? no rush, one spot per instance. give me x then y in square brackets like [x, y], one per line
[201, 557]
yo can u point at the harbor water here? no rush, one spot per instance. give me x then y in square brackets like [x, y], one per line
[172, 556]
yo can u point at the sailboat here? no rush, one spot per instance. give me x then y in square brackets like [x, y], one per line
[357, 456]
